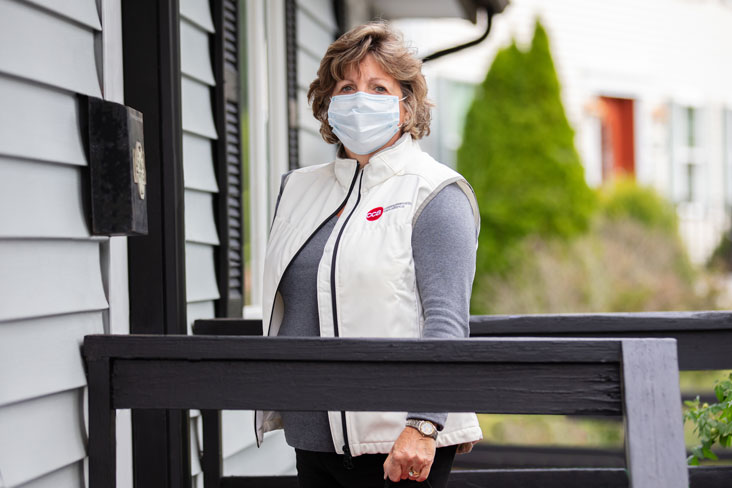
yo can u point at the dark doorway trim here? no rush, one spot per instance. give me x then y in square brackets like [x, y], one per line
[151, 53]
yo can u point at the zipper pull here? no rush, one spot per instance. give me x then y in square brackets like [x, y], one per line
[347, 458]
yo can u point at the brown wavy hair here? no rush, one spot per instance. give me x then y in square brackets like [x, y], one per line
[387, 47]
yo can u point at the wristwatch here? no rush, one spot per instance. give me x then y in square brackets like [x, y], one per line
[424, 427]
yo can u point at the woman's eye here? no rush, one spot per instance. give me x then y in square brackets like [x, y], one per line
[380, 89]
[347, 88]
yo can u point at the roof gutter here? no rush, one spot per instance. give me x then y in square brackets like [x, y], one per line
[490, 7]
[454, 49]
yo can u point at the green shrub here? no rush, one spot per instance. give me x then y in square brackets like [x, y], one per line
[712, 423]
[619, 266]
[626, 199]
[518, 153]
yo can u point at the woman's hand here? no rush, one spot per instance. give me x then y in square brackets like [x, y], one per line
[411, 452]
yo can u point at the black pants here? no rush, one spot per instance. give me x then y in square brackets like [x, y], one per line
[326, 470]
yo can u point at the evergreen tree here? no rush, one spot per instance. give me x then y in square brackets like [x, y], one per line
[518, 153]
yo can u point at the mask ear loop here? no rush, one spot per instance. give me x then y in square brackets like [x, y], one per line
[405, 120]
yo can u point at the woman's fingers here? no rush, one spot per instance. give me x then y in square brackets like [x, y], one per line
[405, 466]
[423, 472]
[411, 457]
[392, 470]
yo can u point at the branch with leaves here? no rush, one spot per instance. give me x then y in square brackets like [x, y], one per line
[712, 423]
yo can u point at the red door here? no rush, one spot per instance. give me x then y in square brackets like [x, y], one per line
[618, 138]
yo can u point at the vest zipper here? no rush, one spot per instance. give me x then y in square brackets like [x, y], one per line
[347, 458]
[340, 207]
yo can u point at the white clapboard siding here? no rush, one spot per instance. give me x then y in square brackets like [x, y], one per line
[305, 118]
[200, 226]
[42, 356]
[41, 200]
[307, 69]
[197, 110]
[198, 169]
[313, 149]
[199, 176]
[200, 274]
[82, 11]
[41, 436]
[197, 12]
[194, 446]
[316, 30]
[71, 476]
[322, 10]
[312, 34]
[194, 53]
[51, 288]
[30, 36]
[40, 278]
[198, 310]
[274, 457]
[39, 122]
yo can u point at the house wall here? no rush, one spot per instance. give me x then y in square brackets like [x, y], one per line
[663, 54]
[57, 282]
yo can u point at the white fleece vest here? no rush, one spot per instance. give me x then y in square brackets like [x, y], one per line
[368, 262]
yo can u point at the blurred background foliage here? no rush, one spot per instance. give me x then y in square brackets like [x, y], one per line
[518, 153]
[551, 244]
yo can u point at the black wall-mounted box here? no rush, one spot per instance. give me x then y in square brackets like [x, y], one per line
[116, 168]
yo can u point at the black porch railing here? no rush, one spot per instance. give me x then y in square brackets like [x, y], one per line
[634, 377]
[703, 338]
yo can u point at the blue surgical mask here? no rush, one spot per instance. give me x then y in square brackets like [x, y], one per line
[364, 122]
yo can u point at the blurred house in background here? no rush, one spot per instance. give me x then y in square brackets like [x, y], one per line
[646, 85]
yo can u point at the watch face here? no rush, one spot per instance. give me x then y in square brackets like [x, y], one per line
[426, 428]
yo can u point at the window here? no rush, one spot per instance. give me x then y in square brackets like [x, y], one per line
[688, 163]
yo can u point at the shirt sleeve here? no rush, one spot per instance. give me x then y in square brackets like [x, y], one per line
[443, 245]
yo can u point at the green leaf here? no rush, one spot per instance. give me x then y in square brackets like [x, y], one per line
[709, 454]
[719, 392]
[693, 460]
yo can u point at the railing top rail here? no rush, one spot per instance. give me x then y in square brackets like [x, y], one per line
[483, 350]
[608, 322]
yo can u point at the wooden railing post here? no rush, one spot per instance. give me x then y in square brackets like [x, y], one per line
[654, 436]
[102, 425]
[212, 462]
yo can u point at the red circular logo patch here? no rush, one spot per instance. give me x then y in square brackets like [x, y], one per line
[375, 213]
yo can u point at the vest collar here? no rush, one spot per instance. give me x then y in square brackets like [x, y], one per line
[382, 165]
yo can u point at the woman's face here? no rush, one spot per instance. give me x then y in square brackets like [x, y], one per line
[370, 77]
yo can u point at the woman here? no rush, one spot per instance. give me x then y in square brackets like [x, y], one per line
[379, 243]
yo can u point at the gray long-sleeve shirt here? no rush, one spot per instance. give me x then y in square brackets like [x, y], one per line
[443, 247]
